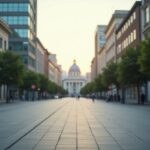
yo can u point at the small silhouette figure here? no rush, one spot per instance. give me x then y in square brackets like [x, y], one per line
[93, 97]
[142, 98]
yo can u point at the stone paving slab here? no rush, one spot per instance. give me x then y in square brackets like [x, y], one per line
[84, 125]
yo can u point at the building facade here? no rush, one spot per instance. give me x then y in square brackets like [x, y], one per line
[74, 81]
[101, 60]
[4, 37]
[55, 71]
[146, 32]
[99, 43]
[40, 53]
[93, 69]
[88, 77]
[22, 18]
[110, 33]
[146, 18]
[128, 35]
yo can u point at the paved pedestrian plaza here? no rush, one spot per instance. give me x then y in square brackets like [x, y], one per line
[70, 124]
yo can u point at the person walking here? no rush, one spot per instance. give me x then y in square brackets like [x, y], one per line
[93, 98]
[142, 98]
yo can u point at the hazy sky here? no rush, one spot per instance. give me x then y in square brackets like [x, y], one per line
[67, 27]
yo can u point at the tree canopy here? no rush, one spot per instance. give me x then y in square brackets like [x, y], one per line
[144, 58]
[11, 68]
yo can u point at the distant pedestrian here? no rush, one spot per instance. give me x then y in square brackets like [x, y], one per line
[142, 98]
[93, 97]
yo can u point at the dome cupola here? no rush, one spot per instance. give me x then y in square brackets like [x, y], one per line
[74, 70]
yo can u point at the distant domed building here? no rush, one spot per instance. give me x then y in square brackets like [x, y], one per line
[74, 81]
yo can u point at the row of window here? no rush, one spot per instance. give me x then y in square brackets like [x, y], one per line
[127, 25]
[23, 33]
[31, 62]
[3, 44]
[72, 83]
[15, 20]
[14, 7]
[74, 73]
[127, 41]
[17, 7]
[20, 20]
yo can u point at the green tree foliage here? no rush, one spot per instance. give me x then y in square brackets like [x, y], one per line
[129, 70]
[30, 78]
[43, 83]
[99, 85]
[109, 75]
[144, 58]
[11, 68]
[88, 88]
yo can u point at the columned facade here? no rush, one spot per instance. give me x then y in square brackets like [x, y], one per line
[74, 82]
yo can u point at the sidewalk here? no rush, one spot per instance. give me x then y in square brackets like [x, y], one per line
[86, 125]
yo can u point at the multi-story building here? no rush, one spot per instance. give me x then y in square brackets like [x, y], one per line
[4, 36]
[93, 69]
[40, 53]
[22, 18]
[146, 32]
[110, 46]
[146, 17]
[74, 81]
[100, 41]
[101, 60]
[88, 77]
[128, 34]
[55, 71]
[46, 63]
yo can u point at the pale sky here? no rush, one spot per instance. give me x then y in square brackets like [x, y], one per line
[67, 27]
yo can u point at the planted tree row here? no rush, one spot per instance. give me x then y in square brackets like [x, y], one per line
[132, 70]
[13, 74]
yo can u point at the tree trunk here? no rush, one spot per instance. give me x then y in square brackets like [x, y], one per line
[123, 95]
[138, 92]
[118, 96]
[7, 95]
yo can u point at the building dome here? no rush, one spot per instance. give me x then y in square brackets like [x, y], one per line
[74, 70]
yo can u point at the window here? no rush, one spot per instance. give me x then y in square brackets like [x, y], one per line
[129, 40]
[119, 48]
[129, 22]
[1, 42]
[13, 20]
[134, 15]
[14, 7]
[5, 45]
[22, 32]
[131, 36]
[134, 34]
[147, 19]
[131, 19]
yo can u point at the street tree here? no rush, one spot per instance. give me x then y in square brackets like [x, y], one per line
[11, 70]
[30, 81]
[109, 76]
[144, 58]
[99, 85]
[129, 70]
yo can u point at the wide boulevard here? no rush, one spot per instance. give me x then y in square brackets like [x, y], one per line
[71, 124]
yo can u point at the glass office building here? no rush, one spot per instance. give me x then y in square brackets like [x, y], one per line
[21, 15]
